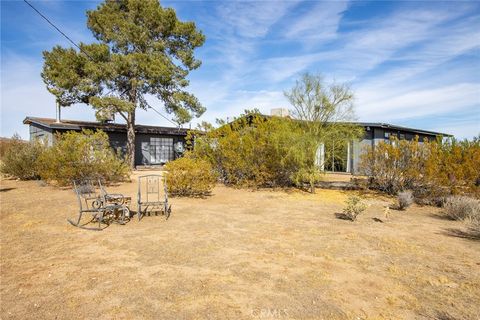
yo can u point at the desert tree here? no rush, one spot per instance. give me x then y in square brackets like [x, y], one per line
[142, 50]
[325, 113]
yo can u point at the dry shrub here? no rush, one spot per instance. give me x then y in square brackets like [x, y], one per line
[474, 226]
[354, 207]
[462, 208]
[190, 177]
[432, 169]
[77, 155]
[20, 158]
[252, 151]
[405, 199]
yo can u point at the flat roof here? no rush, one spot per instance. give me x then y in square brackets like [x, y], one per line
[382, 125]
[105, 126]
[401, 128]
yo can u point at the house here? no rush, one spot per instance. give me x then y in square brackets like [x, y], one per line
[345, 156]
[375, 133]
[158, 145]
[153, 145]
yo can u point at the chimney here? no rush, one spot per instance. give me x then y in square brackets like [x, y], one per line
[279, 112]
[58, 117]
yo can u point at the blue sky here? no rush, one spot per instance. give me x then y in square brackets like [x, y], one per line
[409, 63]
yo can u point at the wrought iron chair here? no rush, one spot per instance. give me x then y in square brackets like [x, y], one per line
[153, 195]
[95, 200]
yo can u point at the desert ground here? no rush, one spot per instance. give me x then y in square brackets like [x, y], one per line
[237, 254]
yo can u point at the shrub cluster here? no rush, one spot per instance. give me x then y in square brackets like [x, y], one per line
[461, 208]
[81, 155]
[255, 151]
[74, 155]
[354, 207]
[190, 177]
[20, 158]
[431, 169]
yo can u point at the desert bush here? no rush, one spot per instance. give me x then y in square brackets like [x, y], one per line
[474, 226]
[405, 199]
[20, 158]
[190, 177]
[461, 208]
[354, 207]
[251, 151]
[77, 155]
[432, 169]
[394, 165]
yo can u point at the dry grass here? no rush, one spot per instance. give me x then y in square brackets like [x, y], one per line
[235, 255]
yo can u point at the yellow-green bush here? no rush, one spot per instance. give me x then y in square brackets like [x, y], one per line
[77, 155]
[190, 177]
[253, 151]
[20, 158]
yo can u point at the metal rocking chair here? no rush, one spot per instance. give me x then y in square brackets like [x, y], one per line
[150, 196]
[95, 200]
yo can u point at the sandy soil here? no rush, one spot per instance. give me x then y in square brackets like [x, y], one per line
[237, 254]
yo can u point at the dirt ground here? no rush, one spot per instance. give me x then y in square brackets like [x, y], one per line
[237, 254]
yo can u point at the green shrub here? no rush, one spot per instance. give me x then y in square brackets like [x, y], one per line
[190, 177]
[462, 208]
[20, 158]
[77, 155]
[253, 151]
[354, 207]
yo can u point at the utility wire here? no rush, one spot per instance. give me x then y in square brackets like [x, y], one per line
[158, 112]
[84, 52]
[61, 32]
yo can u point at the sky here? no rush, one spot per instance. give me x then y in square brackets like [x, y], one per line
[408, 63]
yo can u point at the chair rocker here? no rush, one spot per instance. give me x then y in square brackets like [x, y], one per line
[103, 207]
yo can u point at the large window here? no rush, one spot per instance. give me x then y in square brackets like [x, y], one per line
[161, 150]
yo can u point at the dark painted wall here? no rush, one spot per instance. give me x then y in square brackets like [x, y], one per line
[118, 141]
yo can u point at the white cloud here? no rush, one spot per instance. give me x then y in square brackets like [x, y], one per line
[421, 103]
[253, 19]
[320, 23]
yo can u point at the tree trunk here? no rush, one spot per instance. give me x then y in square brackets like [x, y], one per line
[131, 139]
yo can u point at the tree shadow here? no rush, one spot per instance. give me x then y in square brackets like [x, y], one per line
[440, 216]
[6, 189]
[343, 216]
[468, 233]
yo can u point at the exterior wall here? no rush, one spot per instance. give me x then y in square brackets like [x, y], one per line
[118, 141]
[377, 135]
[39, 132]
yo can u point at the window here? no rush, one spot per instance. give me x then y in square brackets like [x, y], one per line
[402, 136]
[387, 135]
[161, 150]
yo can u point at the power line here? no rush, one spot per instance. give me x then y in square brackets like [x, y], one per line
[158, 112]
[84, 52]
[58, 29]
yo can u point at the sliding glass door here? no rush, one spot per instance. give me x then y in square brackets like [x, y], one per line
[161, 150]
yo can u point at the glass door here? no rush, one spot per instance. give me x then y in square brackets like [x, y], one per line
[161, 150]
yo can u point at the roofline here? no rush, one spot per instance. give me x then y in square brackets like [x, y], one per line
[396, 127]
[383, 125]
[79, 125]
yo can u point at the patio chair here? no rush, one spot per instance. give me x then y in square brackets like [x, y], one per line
[103, 207]
[153, 196]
